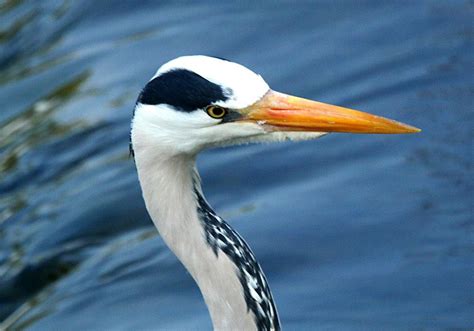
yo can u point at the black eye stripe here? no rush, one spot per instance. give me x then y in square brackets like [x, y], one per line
[182, 89]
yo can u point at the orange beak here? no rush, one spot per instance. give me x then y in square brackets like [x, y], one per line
[288, 113]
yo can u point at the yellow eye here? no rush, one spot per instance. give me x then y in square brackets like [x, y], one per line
[216, 111]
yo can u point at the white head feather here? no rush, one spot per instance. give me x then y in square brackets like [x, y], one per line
[243, 86]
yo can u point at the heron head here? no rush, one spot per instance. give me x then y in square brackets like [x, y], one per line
[194, 102]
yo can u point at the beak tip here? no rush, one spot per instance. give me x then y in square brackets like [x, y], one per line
[412, 129]
[399, 127]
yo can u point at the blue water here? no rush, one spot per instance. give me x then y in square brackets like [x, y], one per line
[354, 232]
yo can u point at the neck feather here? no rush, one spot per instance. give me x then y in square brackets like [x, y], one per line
[225, 269]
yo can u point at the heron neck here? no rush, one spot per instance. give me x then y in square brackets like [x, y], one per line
[190, 228]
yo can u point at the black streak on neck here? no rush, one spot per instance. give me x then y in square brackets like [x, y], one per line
[222, 238]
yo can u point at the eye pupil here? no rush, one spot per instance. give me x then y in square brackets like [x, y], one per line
[216, 111]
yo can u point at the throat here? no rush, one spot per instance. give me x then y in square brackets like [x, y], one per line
[225, 269]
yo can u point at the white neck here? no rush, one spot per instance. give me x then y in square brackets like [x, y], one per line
[168, 191]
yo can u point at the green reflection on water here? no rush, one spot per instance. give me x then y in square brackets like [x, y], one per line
[36, 124]
[9, 5]
[20, 23]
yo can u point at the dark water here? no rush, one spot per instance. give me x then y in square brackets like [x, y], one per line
[355, 232]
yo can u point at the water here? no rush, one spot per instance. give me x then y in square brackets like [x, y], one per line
[354, 232]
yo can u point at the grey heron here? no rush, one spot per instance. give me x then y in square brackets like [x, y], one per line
[196, 102]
